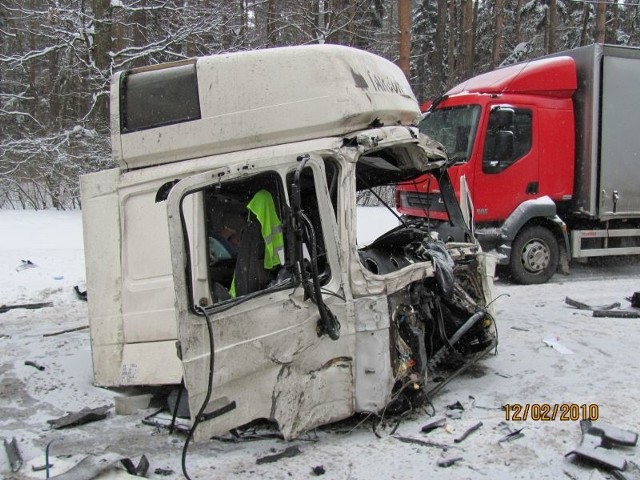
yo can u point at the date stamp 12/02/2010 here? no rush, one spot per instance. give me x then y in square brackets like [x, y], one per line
[549, 412]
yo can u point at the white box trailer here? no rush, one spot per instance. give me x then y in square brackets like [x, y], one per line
[225, 161]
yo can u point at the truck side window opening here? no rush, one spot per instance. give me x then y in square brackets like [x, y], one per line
[159, 97]
[455, 128]
[309, 199]
[506, 143]
[239, 260]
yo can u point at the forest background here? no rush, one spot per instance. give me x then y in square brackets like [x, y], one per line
[57, 56]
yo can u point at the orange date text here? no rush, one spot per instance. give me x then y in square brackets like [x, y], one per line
[550, 412]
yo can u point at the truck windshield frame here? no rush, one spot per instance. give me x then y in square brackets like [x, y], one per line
[455, 128]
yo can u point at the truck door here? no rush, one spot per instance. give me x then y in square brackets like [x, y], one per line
[269, 361]
[507, 173]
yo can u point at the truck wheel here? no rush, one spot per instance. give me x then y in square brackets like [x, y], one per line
[534, 256]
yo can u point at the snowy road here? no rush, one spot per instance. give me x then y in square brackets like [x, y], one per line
[602, 371]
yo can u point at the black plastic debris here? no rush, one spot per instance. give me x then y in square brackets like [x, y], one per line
[292, 451]
[86, 415]
[616, 314]
[140, 470]
[318, 470]
[512, 435]
[15, 458]
[28, 306]
[635, 300]
[598, 442]
[35, 365]
[468, 432]
[447, 462]
[67, 330]
[584, 306]
[81, 294]
[433, 424]
[455, 406]
[163, 472]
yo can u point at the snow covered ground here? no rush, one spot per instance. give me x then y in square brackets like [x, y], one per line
[603, 369]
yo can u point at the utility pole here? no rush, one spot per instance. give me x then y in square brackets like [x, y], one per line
[404, 24]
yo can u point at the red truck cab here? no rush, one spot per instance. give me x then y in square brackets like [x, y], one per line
[510, 132]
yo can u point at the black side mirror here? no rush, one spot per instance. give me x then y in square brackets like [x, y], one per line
[505, 145]
[503, 117]
[499, 151]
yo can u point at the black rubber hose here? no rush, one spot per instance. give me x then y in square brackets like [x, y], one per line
[207, 397]
[329, 321]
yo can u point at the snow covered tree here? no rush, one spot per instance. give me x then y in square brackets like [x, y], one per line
[56, 59]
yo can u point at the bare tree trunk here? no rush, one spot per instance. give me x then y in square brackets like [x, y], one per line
[271, 23]
[451, 56]
[518, 27]
[404, 24]
[615, 24]
[628, 19]
[497, 33]
[601, 15]
[585, 24]
[467, 38]
[101, 48]
[552, 25]
[243, 18]
[140, 27]
[437, 68]
[118, 28]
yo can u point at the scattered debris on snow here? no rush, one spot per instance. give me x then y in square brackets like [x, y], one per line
[554, 342]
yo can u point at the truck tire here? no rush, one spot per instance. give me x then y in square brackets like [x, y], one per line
[534, 256]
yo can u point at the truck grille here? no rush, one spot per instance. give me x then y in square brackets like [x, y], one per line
[424, 201]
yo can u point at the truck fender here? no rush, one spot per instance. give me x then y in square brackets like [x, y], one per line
[541, 208]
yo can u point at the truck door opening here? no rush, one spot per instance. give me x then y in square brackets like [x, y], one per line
[269, 338]
[235, 242]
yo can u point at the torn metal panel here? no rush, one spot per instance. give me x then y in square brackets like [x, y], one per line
[373, 370]
[286, 373]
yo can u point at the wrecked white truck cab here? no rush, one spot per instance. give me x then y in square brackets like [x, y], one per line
[280, 312]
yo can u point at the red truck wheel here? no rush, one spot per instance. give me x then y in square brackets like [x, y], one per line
[534, 256]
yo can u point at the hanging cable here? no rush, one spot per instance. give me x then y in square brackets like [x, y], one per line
[207, 397]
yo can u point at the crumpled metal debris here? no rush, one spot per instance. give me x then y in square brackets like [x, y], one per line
[287, 452]
[597, 441]
[584, 306]
[93, 466]
[436, 251]
[85, 415]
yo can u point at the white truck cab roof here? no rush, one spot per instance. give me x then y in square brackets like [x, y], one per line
[240, 101]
